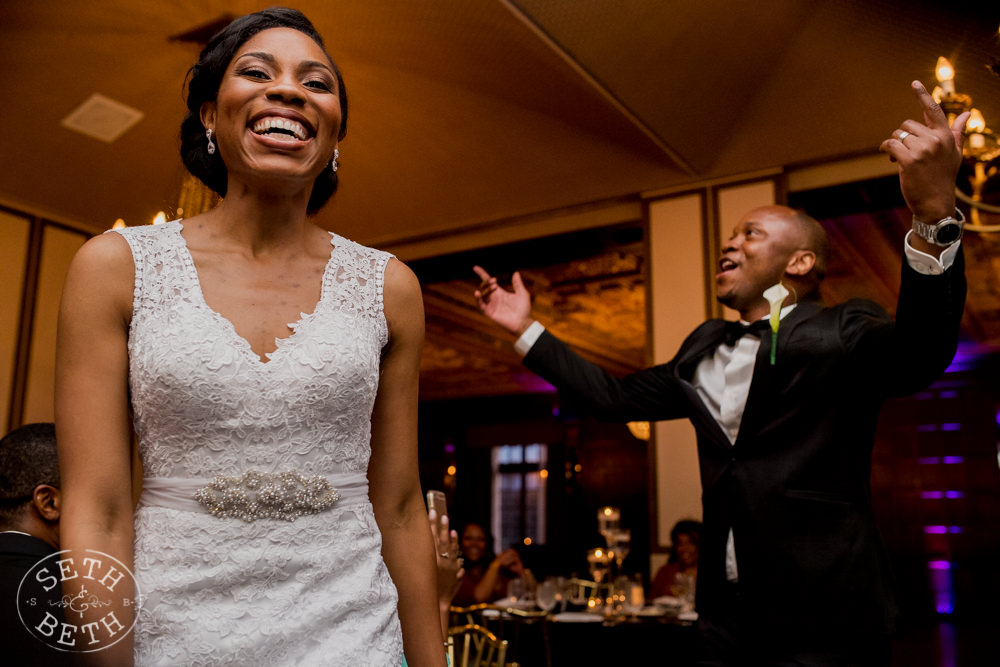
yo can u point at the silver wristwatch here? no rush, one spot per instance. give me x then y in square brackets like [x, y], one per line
[944, 232]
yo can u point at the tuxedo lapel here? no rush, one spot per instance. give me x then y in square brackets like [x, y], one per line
[701, 343]
[765, 375]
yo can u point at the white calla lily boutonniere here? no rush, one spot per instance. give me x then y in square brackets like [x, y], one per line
[775, 295]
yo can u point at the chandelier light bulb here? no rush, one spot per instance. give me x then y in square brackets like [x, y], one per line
[976, 121]
[945, 74]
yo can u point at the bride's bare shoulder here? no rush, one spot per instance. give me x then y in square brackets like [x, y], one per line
[105, 253]
[102, 269]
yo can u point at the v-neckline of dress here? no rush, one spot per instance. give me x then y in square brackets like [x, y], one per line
[239, 340]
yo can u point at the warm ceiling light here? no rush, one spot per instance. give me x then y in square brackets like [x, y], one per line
[980, 150]
[160, 218]
[976, 121]
[945, 74]
[639, 430]
[119, 224]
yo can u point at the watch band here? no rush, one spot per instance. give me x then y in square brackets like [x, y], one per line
[950, 228]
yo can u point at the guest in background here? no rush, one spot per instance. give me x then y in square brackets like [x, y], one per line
[30, 504]
[486, 575]
[683, 563]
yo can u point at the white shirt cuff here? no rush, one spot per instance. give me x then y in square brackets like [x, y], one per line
[929, 265]
[528, 338]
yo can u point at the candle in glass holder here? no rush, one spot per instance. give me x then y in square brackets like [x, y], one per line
[608, 522]
[597, 560]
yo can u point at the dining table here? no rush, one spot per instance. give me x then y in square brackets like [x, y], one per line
[576, 636]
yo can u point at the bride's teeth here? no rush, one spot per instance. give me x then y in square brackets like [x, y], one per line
[265, 124]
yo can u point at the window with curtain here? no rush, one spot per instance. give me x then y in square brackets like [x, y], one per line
[519, 482]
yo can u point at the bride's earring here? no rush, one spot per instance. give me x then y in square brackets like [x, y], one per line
[333, 162]
[211, 145]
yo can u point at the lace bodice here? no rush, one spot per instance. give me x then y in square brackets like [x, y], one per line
[205, 404]
[220, 590]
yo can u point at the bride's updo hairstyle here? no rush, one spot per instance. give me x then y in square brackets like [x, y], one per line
[205, 77]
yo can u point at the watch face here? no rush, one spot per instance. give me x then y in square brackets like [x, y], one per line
[948, 233]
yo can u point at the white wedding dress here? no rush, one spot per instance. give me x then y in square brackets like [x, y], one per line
[240, 587]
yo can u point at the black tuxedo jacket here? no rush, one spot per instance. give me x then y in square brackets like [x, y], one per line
[794, 488]
[18, 554]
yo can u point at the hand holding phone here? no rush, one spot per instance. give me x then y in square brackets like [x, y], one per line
[436, 501]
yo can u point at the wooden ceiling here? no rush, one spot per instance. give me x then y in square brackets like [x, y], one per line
[474, 122]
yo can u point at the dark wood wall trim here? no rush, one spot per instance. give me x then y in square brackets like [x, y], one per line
[26, 321]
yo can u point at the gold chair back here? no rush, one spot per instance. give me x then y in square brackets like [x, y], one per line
[472, 645]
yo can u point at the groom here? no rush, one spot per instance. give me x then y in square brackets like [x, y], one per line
[791, 569]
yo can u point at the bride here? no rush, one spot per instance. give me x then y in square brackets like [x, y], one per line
[270, 370]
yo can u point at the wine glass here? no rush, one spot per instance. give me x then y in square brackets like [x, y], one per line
[547, 595]
[515, 591]
[622, 541]
[634, 596]
[683, 588]
[608, 522]
[563, 592]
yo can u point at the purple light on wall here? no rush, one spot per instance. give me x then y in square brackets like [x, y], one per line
[954, 494]
[951, 427]
[929, 460]
[963, 361]
[942, 586]
[932, 495]
[953, 459]
[926, 428]
[948, 393]
[942, 530]
[449, 448]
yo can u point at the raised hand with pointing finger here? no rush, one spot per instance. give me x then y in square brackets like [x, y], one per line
[928, 156]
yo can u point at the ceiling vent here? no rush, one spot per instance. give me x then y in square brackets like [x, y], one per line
[102, 118]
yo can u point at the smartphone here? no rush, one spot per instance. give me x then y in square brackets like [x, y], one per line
[436, 501]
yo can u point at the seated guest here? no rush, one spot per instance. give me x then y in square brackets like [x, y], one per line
[486, 576]
[29, 531]
[683, 563]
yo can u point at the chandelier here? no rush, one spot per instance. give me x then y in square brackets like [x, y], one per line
[980, 151]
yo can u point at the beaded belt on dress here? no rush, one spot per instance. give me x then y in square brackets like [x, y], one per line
[254, 494]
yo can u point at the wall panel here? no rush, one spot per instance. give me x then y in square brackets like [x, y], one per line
[58, 247]
[15, 232]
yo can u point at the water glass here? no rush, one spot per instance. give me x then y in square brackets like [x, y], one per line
[515, 590]
[547, 595]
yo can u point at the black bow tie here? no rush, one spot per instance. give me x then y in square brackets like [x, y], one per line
[736, 330]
